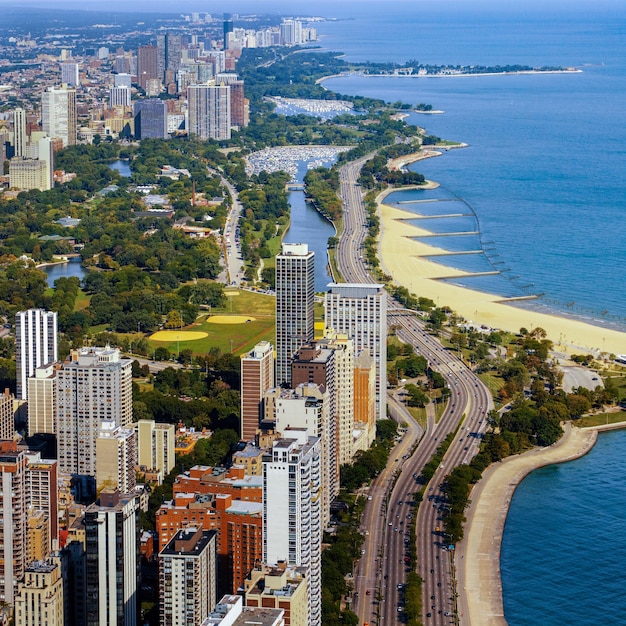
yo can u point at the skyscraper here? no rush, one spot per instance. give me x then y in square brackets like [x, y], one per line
[360, 312]
[19, 132]
[238, 108]
[188, 577]
[295, 297]
[94, 385]
[228, 28]
[58, 114]
[112, 571]
[257, 376]
[69, 74]
[35, 344]
[116, 457]
[147, 64]
[209, 111]
[150, 119]
[42, 398]
[119, 96]
[155, 446]
[292, 525]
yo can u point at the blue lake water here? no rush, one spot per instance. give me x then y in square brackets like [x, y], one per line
[544, 175]
[544, 167]
[563, 550]
[64, 270]
[123, 167]
[308, 226]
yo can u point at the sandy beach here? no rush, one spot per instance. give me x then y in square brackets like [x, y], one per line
[478, 555]
[403, 258]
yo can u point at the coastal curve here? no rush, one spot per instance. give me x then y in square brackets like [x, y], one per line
[477, 557]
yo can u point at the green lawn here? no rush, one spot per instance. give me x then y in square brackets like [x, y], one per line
[601, 418]
[244, 336]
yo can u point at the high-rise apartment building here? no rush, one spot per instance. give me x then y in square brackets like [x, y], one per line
[58, 114]
[35, 344]
[69, 74]
[13, 519]
[228, 28]
[116, 458]
[307, 407]
[150, 119]
[122, 79]
[119, 96]
[19, 132]
[257, 376]
[147, 65]
[295, 297]
[364, 401]
[291, 32]
[93, 385]
[39, 601]
[41, 482]
[112, 573]
[360, 312]
[155, 446]
[7, 416]
[42, 397]
[188, 577]
[292, 522]
[238, 109]
[209, 111]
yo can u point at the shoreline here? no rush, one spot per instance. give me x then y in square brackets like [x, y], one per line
[477, 557]
[405, 259]
[572, 70]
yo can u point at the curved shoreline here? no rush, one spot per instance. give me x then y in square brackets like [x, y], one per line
[477, 557]
[409, 261]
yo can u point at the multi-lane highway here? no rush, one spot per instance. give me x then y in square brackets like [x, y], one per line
[386, 548]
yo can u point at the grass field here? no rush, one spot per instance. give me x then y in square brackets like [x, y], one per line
[601, 418]
[243, 335]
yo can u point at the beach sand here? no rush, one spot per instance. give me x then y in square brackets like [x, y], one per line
[401, 257]
[477, 557]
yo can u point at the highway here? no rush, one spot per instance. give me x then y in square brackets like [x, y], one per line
[382, 569]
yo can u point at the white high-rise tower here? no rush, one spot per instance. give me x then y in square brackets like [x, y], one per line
[360, 312]
[35, 344]
[295, 297]
[292, 522]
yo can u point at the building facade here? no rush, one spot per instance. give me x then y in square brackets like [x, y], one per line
[155, 446]
[13, 519]
[150, 119]
[39, 601]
